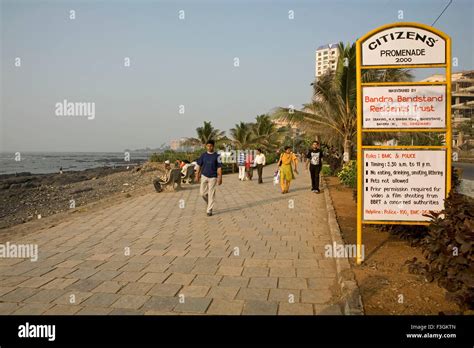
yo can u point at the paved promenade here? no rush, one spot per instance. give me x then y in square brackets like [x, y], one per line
[260, 253]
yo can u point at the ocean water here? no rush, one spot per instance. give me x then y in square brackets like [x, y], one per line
[50, 162]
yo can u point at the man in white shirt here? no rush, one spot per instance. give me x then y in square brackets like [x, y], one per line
[260, 162]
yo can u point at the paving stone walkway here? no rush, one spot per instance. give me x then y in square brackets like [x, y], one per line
[261, 253]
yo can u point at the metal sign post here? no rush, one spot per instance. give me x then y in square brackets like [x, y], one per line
[398, 184]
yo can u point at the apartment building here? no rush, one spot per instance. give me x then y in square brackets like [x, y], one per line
[326, 58]
[462, 102]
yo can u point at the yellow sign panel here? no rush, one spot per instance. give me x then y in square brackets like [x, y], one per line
[398, 184]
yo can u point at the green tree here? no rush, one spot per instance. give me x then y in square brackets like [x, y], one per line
[266, 134]
[422, 139]
[204, 134]
[332, 111]
[242, 135]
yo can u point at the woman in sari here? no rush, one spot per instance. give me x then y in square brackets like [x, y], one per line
[287, 161]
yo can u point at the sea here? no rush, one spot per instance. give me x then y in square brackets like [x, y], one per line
[52, 162]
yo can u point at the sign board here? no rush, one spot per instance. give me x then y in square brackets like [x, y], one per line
[397, 184]
[402, 106]
[402, 185]
[404, 45]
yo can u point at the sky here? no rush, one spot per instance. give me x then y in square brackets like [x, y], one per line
[176, 63]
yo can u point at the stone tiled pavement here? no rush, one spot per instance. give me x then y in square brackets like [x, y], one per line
[261, 253]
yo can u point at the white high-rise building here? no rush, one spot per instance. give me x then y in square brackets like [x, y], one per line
[326, 58]
[177, 144]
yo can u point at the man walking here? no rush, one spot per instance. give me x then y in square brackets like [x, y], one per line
[241, 164]
[210, 168]
[260, 163]
[315, 162]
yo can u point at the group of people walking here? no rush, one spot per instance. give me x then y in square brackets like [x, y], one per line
[209, 169]
[247, 163]
[288, 166]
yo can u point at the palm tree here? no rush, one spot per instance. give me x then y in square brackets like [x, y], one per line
[266, 134]
[204, 134]
[243, 135]
[332, 111]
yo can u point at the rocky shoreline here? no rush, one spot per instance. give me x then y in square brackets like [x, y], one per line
[25, 196]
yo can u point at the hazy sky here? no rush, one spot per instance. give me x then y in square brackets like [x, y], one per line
[176, 62]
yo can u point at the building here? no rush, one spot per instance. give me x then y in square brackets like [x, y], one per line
[326, 58]
[462, 102]
[462, 92]
[294, 129]
[434, 78]
[462, 107]
[281, 122]
[177, 144]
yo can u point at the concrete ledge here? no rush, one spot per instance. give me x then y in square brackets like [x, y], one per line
[351, 301]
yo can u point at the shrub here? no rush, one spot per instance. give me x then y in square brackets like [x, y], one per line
[334, 162]
[155, 157]
[348, 174]
[271, 157]
[455, 178]
[414, 234]
[448, 248]
[326, 170]
[172, 156]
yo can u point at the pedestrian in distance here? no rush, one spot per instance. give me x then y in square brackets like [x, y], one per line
[315, 163]
[249, 165]
[260, 163]
[241, 164]
[288, 164]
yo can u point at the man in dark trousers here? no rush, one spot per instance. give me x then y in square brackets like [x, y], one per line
[315, 162]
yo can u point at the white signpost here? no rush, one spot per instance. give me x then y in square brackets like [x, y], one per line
[404, 107]
[404, 45]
